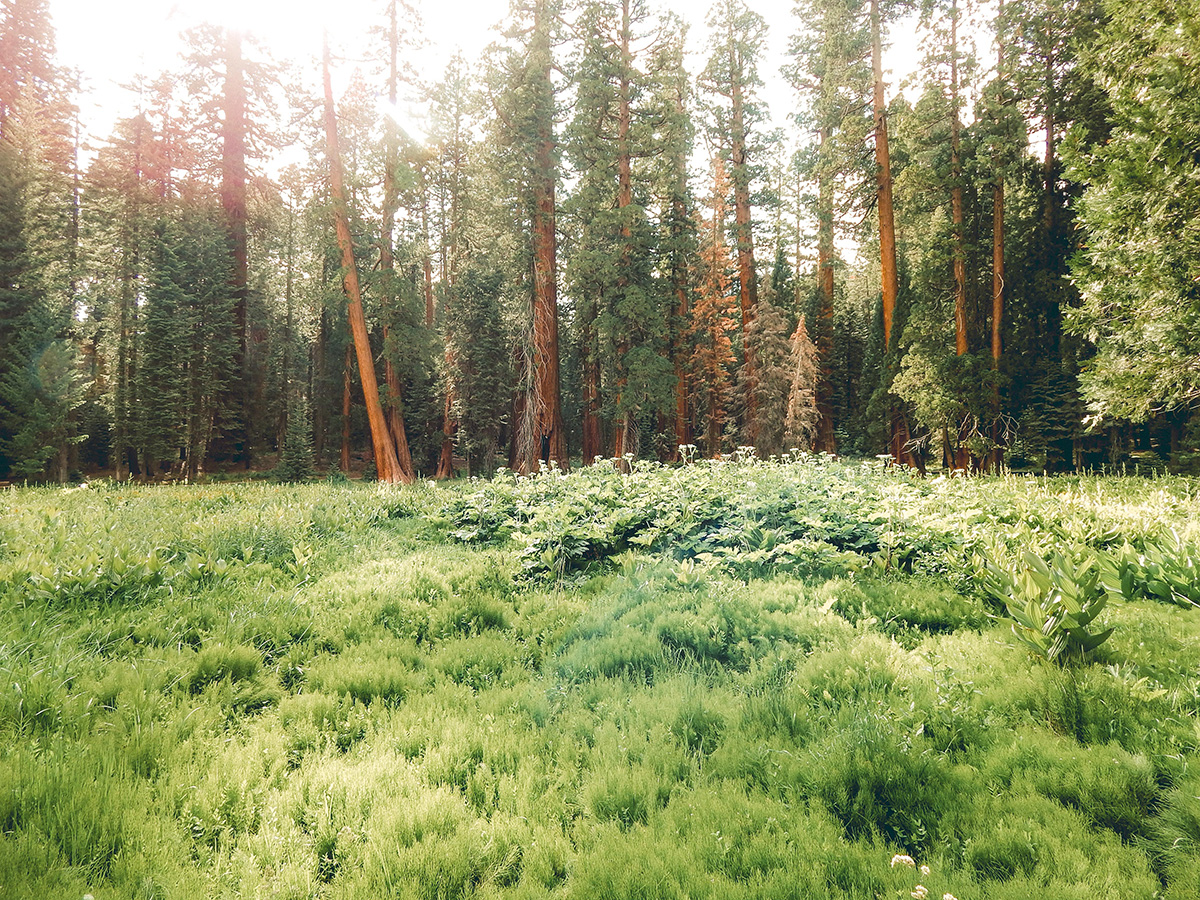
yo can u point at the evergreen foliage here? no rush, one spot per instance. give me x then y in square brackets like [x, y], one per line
[296, 459]
[1138, 270]
[800, 422]
[158, 310]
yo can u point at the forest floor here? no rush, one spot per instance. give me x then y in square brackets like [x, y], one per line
[726, 680]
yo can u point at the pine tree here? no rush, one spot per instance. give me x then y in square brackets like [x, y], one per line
[39, 389]
[481, 374]
[624, 314]
[768, 337]
[731, 82]
[712, 321]
[831, 71]
[803, 415]
[296, 459]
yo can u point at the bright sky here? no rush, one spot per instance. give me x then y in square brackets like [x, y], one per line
[111, 41]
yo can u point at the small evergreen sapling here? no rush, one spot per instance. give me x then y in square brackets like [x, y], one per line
[296, 460]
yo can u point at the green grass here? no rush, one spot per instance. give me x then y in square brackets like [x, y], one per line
[736, 680]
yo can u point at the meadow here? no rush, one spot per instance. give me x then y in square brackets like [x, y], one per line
[739, 679]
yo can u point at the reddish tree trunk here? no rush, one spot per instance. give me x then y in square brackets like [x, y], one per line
[386, 464]
[898, 426]
[549, 437]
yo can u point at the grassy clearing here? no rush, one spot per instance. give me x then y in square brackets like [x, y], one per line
[738, 680]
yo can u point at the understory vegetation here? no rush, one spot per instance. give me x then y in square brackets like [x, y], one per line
[736, 679]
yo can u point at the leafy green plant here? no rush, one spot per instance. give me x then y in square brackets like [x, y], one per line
[117, 576]
[1052, 603]
[1166, 569]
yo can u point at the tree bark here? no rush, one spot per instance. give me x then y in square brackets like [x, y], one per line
[386, 464]
[549, 436]
[962, 455]
[345, 457]
[997, 458]
[898, 426]
[387, 262]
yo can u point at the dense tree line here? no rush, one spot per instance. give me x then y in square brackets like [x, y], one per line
[596, 252]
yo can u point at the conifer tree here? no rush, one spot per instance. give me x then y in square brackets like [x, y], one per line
[831, 72]
[803, 415]
[712, 321]
[768, 334]
[38, 385]
[731, 82]
[527, 150]
[624, 314]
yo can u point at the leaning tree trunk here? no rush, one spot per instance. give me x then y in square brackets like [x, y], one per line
[386, 464]
[387, 262]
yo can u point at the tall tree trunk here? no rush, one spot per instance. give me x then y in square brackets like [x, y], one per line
[345, 458]
[549, 436]
[591, 438]
[449, 270]
[233, 202]
[962, 455]
[624, 201]
[997, 459]
[681, 287]
[386, 463]
[316, 377]
[898, 426]
[387, 262]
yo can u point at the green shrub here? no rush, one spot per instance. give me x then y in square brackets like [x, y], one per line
[217, 662]
[320, 722]
[481, 662]
[1052, 603]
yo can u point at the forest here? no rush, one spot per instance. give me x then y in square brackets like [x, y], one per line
[601, 249]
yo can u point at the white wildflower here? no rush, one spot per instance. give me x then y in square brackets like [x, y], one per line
[920, 892]
[924, 870]
[901, 860]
